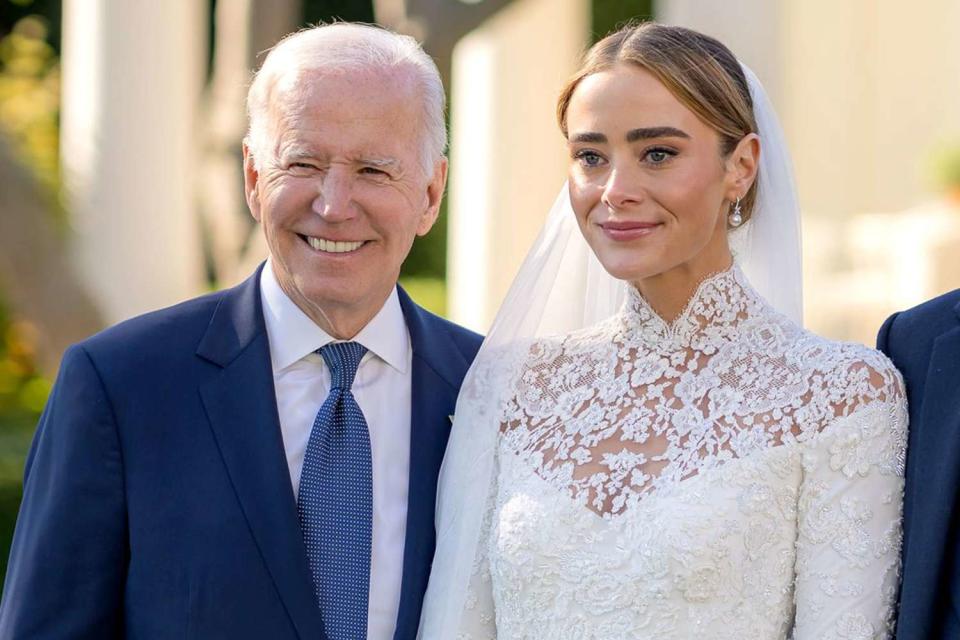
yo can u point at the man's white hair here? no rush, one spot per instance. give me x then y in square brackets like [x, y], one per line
[346, 47]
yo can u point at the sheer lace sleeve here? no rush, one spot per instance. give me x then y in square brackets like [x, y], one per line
[849, 529]
[478, 621]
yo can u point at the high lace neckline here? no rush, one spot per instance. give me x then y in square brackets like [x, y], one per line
[716, 310]
[635, 405]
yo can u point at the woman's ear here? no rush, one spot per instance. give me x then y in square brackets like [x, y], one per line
[742, 165]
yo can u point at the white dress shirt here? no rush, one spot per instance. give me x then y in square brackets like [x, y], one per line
[382, 388]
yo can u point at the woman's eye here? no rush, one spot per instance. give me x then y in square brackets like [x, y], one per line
[589, 158]
[659, 156]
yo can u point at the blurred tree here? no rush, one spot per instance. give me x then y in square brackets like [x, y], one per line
[23, 392]
[30, 97]
[12, 11]
[51, 310]
[35, 275]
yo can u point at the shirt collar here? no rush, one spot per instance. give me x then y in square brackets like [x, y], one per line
[293, 335]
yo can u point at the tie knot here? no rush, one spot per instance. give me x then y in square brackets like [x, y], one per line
[343, 358]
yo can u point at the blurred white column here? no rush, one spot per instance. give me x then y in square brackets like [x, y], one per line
[508, 157]
[132, 75]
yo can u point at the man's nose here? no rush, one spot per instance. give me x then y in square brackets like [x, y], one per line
[334, 200]
[622, 188]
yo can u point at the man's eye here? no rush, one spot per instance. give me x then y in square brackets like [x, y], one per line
[303, 165]
[373, 171]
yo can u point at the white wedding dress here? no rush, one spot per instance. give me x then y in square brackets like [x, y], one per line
[729, 475]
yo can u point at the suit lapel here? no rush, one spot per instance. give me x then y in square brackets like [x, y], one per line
[936, 466]
[438, 368]
[242, 411]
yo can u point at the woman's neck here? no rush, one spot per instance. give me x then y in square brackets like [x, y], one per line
[668, 293]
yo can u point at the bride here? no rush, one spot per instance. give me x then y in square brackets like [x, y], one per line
[649, 445]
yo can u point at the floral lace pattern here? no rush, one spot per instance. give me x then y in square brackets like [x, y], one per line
[727, 475]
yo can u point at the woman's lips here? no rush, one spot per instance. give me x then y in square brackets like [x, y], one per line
[626, 231]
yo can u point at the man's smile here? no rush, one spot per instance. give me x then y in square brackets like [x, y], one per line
[332, 246]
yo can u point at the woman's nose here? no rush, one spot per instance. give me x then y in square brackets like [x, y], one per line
[622, 189]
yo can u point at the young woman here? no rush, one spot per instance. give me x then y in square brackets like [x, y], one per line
[659, 449]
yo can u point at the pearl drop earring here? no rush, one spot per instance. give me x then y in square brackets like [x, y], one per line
[736, 216]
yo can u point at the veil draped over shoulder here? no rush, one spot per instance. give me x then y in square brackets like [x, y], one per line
[560, 288]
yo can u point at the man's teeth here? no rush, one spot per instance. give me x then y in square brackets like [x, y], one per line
[330, 246]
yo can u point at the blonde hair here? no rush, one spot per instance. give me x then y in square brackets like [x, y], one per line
[698, 70]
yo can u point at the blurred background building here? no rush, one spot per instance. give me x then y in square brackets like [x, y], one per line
[121, 184]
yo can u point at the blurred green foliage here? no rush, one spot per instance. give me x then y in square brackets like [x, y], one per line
[30, 98]
[946, 168]
[430, 293]
[22, 389]
[11, 11]
[609, 15]
[29, 120]
[16, 432]
[23, 392]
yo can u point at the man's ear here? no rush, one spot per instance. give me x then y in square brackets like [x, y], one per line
[435, 190]
[250, 181]
[742, 165]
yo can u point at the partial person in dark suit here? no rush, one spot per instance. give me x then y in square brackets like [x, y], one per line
[924, 343]
[262, 462]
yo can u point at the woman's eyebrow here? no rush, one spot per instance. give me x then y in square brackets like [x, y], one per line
[633, 135]
[655, 132]
[588, 137]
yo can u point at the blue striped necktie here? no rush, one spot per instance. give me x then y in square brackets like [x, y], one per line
[335, 502]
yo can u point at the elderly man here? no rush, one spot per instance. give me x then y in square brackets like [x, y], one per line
[262, 462]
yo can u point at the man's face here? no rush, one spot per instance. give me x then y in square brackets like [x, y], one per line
[345, 194]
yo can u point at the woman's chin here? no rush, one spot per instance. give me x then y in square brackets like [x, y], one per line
[632, 272]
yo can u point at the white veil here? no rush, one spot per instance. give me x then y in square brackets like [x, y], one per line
[561, 287]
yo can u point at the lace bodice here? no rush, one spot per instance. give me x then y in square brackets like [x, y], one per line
[726, 475]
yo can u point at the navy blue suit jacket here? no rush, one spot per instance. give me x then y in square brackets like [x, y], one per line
[157, 499]
[924, 343]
